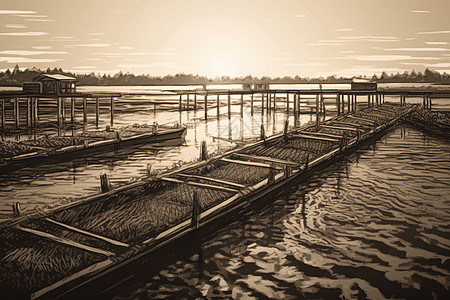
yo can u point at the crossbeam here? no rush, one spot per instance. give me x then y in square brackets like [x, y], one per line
[249, 163]
[238, 185]
[100, 237]
[360, 119]
[351, 124]
[204, 185]
[340, 128]
[317, 138]
[321, 134]
[64, 241]
[270, 159]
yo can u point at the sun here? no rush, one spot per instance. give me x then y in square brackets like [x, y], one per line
[222, 64]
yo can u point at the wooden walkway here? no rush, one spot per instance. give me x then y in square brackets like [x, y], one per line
[99, 234]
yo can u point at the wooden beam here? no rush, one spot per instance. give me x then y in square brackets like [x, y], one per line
[333, 136]
[304, 136]
[249, 163]
[340, 128]
[65, 241]
[3, 113]
[238, 185]
[269, 159]
[97, 111]
[204, 185]
[100, 237]
[360, 119]
[112, 111]
[351, 124]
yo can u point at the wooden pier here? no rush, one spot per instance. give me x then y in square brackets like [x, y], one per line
[97, 235]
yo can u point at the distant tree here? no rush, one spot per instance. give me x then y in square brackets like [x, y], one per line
[16, 70]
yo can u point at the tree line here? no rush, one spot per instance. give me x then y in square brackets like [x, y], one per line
[16, 77]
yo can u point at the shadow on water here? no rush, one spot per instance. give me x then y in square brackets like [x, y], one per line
[375, 225]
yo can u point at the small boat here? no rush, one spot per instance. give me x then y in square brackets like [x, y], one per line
[63, 148]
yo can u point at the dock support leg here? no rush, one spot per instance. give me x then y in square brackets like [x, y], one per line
[188, 104]
[3, 113]
[317, 111]
[16, 112]
[58, 113]
[274, 102]
[287, 103]
[180, 102]
[206, 106]
[84, 110]
[28, 112]
[348, 103]
[97, 111]
[262, 103]
[112, 111]
[195, 210]
[229, 106]
[72, 110]
[218, 106]
[242, 105]
[36, 112]
[338, 104]
[195, 102]
[251, 104]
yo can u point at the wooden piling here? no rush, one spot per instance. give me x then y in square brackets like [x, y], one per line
[84, 110]
[251, 104]
[271, 176]
[97, 111]
[36, 112]
[286, 127]
[242, 105]
[3, 113]
[195, 101]
[148, 170]
[262, 135]
[295, 105]
[229, 105]
[203, 151]
[28, 112]
[72, 110]
[218, 105]
[17, 210]
[180, 102]
[274, 102]
[195, 210]
[206, 106]
[287, 103]
[287, 171]
[16, 112]
[317, 112]
[105, 184]
[188, 102]
[262, 103]
[338, 104]
[112, 111]
[368, 100]
[58, 113]
[63, 109]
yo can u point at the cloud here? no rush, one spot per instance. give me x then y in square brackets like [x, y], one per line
[370, 38]
[126, 48]
[27, 53]
[306, 64]
[39, 20]
[436, 43]
[95, 59]
[439, 65]
[15, 12]
[347, 51]
[17, 60]
[168, 65]
[23, 33]
[420, 11]
[16, 26]
[418, 49]
[96, 33]
[300, 16]
[98, 45]
[85, 67]
[135, 53]
[378, 58]
[434, 32]
[325, 44]
[42, 47]
[343, 29]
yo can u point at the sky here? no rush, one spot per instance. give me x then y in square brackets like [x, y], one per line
[274, 38]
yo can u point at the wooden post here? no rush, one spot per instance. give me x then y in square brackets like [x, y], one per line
[338, 104]
[218, 106]
[105, 184]
[72, 109]
[262, 103]
[317, 112]
[16, 112]
[28, 112]
[203, 151]
[229, 105]
[195, 210]
[3, 113]
[368, 100]
[206, 106]
[36, 111]
[355, 103]
[112, 111]
[63, 109]
[287, 171]
[179, 102]
[148, 170]
[242, 104]
[263, 133]
[423, 102]
[97, 111]
[187, 102]
[16, 209]
[84, 110]
[295, 105]
[287, 103]
[251, 105]
[195, 102]
[268, 100]
[286, 127]
[271, 176]
[274, 102]
[429, 108]
[348, 103]
[58, 113]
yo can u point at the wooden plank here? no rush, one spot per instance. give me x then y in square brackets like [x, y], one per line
[351, 124]
[238, 185]
[249, 163]
[334, 136]
[340, 128]
[360, 119]
[270, 159]
[100, 237]
[318, 138]
[65, 241]
[204, 185]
